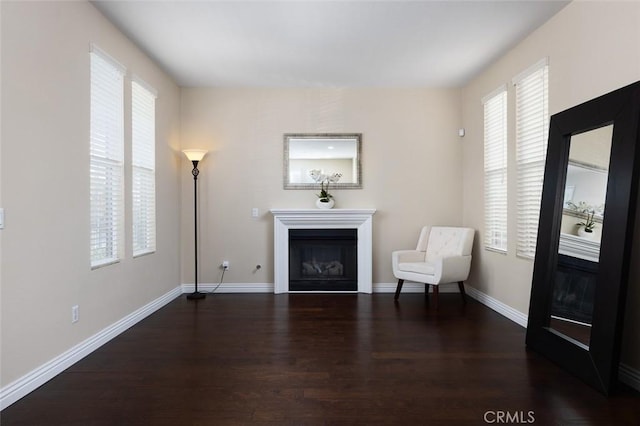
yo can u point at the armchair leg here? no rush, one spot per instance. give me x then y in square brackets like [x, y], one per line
[462, 293]
[398, 288]
[435, 296]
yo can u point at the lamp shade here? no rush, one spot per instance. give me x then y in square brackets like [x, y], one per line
[195, 154]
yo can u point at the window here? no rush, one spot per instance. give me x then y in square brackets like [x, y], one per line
[143, 167]
[106, 157]
[532, 131]
[495, 170]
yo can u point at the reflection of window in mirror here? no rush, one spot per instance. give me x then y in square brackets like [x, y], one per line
[568, 194]
[588, 187]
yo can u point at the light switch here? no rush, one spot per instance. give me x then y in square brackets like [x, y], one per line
[1, 218]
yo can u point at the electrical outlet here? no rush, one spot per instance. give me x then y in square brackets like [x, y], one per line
[225, 265]
[255, 212]
[75, 315]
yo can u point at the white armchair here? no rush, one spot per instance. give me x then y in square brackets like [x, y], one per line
[443, 255]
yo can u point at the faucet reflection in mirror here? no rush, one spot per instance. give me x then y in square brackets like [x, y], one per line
[325, 199]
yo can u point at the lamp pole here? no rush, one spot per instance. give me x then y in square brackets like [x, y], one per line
[195, 156]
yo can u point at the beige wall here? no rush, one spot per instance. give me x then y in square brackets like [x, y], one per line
[411, 159]
[593, 48]
[45, 185]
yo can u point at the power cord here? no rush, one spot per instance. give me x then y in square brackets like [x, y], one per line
[219, 283]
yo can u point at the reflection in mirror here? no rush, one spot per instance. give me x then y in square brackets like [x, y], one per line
[329, 153]
[580, 234]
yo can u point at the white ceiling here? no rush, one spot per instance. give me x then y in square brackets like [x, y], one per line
[326, 43]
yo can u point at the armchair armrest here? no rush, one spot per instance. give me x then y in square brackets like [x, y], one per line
[452, 269]
[401, 256]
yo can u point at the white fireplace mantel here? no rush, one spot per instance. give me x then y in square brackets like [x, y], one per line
[285, 219]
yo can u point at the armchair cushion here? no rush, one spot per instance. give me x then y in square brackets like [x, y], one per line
[426, 268]
[449, 241]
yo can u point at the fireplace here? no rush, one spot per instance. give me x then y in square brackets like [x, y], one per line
[347, 223]
[574, 289]
[323, 260]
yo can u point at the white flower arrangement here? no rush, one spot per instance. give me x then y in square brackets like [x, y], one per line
[324, 180]
[588, 212]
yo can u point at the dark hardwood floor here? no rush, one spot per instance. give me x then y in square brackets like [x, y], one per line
[306, 359]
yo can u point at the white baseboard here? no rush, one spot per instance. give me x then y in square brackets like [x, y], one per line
[501, 308]
[229, 288]
[411, 287]
[36, 378]
[408, 287]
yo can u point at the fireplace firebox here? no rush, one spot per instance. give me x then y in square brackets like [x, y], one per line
[323, 260]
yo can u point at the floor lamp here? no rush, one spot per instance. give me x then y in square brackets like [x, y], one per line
[195, 156]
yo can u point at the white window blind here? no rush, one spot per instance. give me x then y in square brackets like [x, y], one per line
[532, 131]
[495, 170]
[106, 158]
[143, 164]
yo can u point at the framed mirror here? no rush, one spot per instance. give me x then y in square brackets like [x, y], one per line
[580, 278]
[328, 152]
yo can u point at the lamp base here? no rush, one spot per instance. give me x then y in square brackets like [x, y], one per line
[196, 295]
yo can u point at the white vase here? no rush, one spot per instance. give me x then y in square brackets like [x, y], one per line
[325, 205]
[582, 233]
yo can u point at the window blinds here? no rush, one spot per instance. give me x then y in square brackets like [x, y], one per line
[106, 158]
[532, 130]
[495, 170]
[143, 164]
